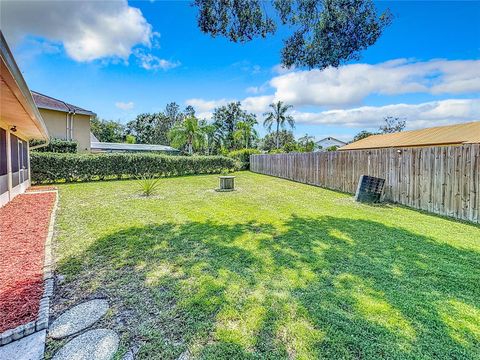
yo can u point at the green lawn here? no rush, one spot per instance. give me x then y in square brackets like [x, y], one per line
[274, 270]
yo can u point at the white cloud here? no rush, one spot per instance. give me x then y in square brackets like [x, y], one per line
[151, 62]
[280, 69]
[350, 84]
[427, 114]
[88, 30]
[257, 104]
[204, 108]
[125, 105]
[255, 90]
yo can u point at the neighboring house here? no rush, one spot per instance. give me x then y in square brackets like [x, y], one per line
[327, 142]
[65, 121]
[20, 121]
[450, 135]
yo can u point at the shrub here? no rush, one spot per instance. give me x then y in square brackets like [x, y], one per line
[56, 146]
[56, 167]
[243, 156]
[148, 184]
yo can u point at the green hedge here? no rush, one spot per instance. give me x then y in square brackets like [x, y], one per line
[56, 167]
[243, 156]
[56, 146]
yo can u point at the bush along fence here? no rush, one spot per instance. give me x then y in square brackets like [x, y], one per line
[243, 156]
[58, 167]
[442, 180]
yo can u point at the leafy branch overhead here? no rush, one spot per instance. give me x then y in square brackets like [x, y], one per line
[323, 32]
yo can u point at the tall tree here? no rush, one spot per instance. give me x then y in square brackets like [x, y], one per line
[173, 113]
[149, 128]
[392, 125]
[324, 32]
[278, 116]
[187, 134]
[225, 120]
[107, 130]
[246, 132]
[154, 128]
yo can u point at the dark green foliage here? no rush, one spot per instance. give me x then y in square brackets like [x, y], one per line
[53, 167]
[332, 148]
[238, 20]
[226, 119]
[362, 135]
[243, 156]
[56, 146]
[107, 130]
[324, 32]
[149, 129]
[154, 128]
[269, 141]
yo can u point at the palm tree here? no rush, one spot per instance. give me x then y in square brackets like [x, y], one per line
[278, 116]
[245, 131]
[188, 133]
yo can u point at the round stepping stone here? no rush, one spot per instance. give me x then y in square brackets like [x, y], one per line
[78, 318]
[99, 344]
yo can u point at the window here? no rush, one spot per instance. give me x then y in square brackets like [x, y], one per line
[25, 161]
[25, 155]
[3, 152]
[14, 150]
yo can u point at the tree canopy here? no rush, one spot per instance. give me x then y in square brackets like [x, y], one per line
[323, 32]
[226, 119]
[392, 125]
[107, 130]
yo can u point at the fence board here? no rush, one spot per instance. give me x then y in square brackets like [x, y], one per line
[442, 180]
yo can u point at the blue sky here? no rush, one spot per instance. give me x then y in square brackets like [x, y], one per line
[120, 59]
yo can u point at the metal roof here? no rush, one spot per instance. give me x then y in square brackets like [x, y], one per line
[105, 146]
[458, 134]
[50, 103]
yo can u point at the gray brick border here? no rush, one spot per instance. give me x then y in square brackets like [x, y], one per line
[43, 313]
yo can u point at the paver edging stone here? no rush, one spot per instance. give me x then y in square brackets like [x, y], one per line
[43, 313]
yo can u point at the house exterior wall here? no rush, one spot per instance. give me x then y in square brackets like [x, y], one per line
[56, 122]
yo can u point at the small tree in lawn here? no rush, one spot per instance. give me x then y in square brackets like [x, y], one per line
[278, 116]
[187, 134]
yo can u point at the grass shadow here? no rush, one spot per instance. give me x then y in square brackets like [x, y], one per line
[323, 287]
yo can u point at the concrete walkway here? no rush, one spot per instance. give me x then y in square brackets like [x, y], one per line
[30, 347]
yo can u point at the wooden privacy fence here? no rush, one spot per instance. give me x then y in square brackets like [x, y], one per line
[443, 179]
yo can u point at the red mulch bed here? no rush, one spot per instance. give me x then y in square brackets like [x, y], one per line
[23, 230]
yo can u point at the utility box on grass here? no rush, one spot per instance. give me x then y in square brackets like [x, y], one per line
[369, 189]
